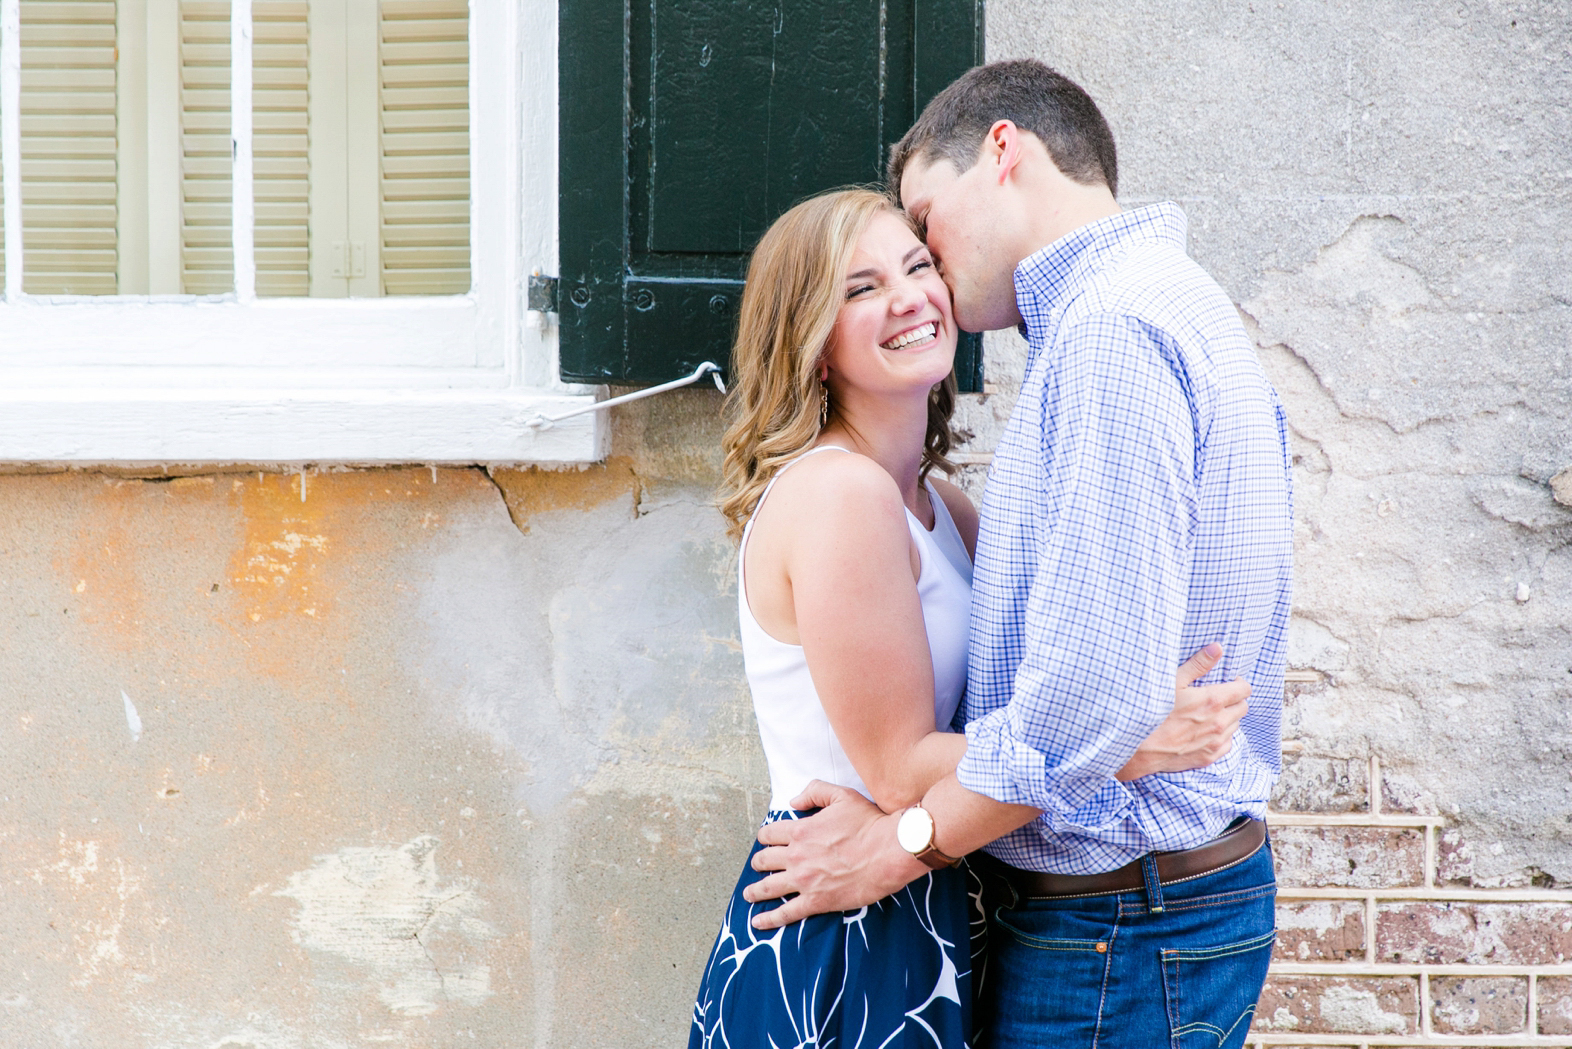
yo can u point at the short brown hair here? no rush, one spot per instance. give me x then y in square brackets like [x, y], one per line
[1037, 99]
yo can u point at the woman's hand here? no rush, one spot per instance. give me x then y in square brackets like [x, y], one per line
[1201, 727]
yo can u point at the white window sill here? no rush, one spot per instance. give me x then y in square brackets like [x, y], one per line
[366, 425]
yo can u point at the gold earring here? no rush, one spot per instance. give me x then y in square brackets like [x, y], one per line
[824, 406]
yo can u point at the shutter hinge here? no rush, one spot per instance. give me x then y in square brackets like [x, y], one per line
[542, 293]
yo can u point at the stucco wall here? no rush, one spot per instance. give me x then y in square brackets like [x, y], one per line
[433, 759]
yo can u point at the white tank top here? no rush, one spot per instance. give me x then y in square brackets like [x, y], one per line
[799, 743]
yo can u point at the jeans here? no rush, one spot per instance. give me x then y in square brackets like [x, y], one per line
[1110, 972]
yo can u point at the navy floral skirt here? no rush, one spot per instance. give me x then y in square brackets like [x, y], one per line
[894, 975]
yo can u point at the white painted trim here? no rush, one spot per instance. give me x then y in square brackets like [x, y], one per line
[132, 333]
[282, 425]
[233, 378]
[11, 140]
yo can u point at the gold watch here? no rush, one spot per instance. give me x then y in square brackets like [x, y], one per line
[915, 831]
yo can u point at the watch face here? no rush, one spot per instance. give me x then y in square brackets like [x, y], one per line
[914, 830]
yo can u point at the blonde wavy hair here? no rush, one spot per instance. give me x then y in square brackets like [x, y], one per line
[789, 306]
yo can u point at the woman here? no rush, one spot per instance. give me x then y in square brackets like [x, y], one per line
[854, 596]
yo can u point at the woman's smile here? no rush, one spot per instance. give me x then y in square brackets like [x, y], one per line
[921, 334]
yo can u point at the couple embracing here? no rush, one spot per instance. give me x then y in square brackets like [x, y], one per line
[1117, 888]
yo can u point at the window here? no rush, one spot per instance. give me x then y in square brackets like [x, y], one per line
[688, 128]
[278, 230]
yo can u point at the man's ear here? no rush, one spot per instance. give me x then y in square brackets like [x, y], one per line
[1003, 146]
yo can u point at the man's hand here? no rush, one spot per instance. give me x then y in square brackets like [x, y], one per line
[1201, 728]
[842, 857]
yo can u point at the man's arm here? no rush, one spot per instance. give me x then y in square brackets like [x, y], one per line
[847, 856]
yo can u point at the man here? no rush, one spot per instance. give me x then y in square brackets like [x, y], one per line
[1138, 507]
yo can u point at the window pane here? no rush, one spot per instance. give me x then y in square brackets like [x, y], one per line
[425, 146]
[206, 257]
[68, 147]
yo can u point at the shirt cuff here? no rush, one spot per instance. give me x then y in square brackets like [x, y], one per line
[997, 765]
[1001, 765]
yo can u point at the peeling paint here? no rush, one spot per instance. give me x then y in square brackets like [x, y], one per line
[389, 912]
[133, 721]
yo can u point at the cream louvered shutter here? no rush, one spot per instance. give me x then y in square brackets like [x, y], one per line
[424, 65]
[360, 144]
[206, 259]
[68, 147]
[280, 143]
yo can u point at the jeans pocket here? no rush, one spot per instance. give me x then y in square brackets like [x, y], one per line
[1048, 943]
[1047, 980]
[1211, 991]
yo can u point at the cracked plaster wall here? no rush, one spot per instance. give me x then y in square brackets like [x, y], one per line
[428, 757]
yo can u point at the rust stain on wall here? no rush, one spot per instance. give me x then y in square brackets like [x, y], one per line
[533, 490]
[111, 566]
[278, 568]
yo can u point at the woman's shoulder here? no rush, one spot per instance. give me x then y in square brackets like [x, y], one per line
[838, 481]
[839, 496]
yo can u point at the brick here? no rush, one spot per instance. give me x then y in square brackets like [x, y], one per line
[1320, 930]
[1401, 792]
[1339, 1005]
[1476, 933]
[1319, 784]
[1555, 1005]
[1478, 1004]
[1349, 857]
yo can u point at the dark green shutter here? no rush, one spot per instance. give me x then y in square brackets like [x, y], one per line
[688, 126]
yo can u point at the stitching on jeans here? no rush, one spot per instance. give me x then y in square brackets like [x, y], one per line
[1102, 993]
[1222, 899]
[1222, 1035]
[1044, 943]
[1205, 954]
[1225, 899]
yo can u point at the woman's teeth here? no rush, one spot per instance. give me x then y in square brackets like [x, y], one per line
[926, 331]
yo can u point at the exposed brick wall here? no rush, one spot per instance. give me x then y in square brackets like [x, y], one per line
[1380, 944]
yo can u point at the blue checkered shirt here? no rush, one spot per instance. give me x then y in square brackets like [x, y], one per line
[1138, 507]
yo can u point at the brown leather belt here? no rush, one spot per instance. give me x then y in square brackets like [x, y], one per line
[1240, 841]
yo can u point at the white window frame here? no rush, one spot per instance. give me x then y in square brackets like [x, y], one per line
[234, 378]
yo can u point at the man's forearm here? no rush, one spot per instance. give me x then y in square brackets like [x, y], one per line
[965, 821]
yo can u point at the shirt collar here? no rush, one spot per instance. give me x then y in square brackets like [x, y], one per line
[1048, 276]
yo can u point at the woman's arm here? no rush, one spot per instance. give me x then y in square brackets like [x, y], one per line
[852, 573]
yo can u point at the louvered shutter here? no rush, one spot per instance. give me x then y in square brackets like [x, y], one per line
[206, 258]
[281, 49]
[68, 147]
[403, 78]
[424, 66]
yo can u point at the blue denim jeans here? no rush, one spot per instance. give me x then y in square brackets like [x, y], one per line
[1110, 972]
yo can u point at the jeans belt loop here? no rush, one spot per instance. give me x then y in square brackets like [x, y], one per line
[1154, 883]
